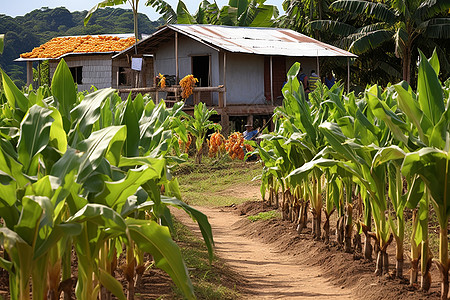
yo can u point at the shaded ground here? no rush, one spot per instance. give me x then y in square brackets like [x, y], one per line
[269, 273]
[279, 263]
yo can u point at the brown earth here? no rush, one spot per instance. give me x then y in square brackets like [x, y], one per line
[270, 260]
[279, 263]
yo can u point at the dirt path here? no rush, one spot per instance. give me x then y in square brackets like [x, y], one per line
[270, 275]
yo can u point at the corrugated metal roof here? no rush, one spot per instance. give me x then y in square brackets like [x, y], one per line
[256, 40]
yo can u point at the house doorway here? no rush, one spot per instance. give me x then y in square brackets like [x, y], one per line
[201, 69]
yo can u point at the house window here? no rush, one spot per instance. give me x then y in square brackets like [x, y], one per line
[77, 74]
[122, 76]
[201, 69]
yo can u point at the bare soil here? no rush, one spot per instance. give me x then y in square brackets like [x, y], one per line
[271, 260]
[279, 263]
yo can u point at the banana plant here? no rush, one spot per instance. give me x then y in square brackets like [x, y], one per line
[198, 126]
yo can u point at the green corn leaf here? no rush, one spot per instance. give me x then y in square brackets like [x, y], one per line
[411, 108]
[130, 119]
[105, 143]
[14, 96]
[8, 188]
[415, 193]
[58, 232]
[111, 284]
[58, 137]
[199, 217]
[156, 240]
[388, 154]
[87, 112]
[432, 166]
[29, 220]
[63, 89]
[100, 215]
[429, 91]
[115, 193]
[34, 135]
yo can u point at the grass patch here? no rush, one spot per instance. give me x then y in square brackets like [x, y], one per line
[211, 281]
[205, 184]
[266, 215]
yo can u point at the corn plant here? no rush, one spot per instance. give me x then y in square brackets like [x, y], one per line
[76, 173]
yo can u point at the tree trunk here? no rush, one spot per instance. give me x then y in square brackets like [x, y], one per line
[406, 63]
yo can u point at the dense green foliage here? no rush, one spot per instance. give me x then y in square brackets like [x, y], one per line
[23, 33]
[92, 173]
[378, 153]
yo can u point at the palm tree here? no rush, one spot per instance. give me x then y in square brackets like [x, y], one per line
[134, 6]
[253, 13]
[300, 12]
[402, 21]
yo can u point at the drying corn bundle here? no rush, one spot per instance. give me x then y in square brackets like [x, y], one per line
[235, 146]
[59, 46]
[187, 83]
[185, 145]
[216, 144]
[162, 81]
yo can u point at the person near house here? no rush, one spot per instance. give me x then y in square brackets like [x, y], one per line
[313, 80]
[330, 80]
[249, 132]
[303, 79]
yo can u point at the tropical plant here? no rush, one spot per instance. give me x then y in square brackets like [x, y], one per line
[105, 3]
[404, 22]
[252, 13]
[198, 126]
[75, 173]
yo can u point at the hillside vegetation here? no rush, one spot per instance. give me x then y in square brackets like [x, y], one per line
[23, 33]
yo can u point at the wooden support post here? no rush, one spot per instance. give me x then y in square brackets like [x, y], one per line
[250, 119]
[29, 73]
[176, 58]
[318, 65]
[225, 122]
[348, 75]
[196, 98]
[221, 99]
[224, 95]
[271, 80]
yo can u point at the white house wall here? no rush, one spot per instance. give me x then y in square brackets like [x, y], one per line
[245, 79]
[97, 70]
[164, 59]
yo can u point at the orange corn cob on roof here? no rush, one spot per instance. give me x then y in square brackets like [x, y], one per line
[59, 46]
